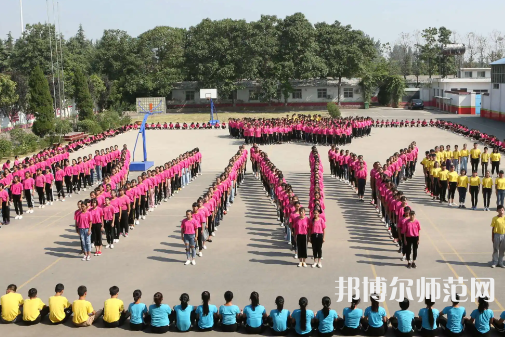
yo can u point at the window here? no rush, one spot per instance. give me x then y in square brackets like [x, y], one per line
[480, 91]
[348, 93]
[297, 93]
[468, 74]
[496, 86]
[481, 74]
[463, 89]
[253, 95]
[498, 73]
[322, 93]
[190, 95]
[454, 89]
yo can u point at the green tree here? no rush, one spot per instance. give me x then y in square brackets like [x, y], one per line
[333, 110]
[8, 96]
[5, 148]
[430, 50]
[82, 96]
[97, 90]
[41, 103]
[61, 127]
[447, 63]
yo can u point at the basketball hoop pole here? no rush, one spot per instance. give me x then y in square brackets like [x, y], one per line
[212, 109]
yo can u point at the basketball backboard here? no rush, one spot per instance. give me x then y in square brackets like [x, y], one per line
[208, 93]
[148, 104]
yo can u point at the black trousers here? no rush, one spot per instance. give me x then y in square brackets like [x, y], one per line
[28, 197]
[117, 226]
[452, 189]
[200, 238]
[474, 193]
[109, 232]
[317, 245]
[96, 234]
[495, 165]
[124, 222]
[411, 247]
[18, 205]
[475, 164]
[43, 313]
[59, 189]
[40, 192]
[68, 184]
[6, 212]
[361, 187]
[143, 205]
[49, 192]
[443, 189]
[122, 319]
[486, 193]
[301, 241]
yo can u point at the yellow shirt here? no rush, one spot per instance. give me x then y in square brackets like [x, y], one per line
[463, 153]
[487, 182]
[112, 309]
[448, 155]
[455, 154]
[475, 181]
[424, 161]
[10, 306]
[475, 153]
[443, 175]
[439, 156]
[31, 309]
[500, 183]
[484, 157]
[452, 177]
[495, 156]
[462, 181]
[434, 172]
[57, 306]
[498, 224]
[81, 310]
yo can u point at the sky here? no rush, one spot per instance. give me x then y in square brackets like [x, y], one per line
[384, 20]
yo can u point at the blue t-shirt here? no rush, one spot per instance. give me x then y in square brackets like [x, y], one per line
[280, 319]
[326, 323]
[423, 314]
[309, 314]
[229, 314]
[454, 318]
[375, 318]
[183, 317]
[254, 317]
[482, 319]
[352, 317]
[205, 322]
[159, 315]
[405, 318]
[137, 312]
[502, 316]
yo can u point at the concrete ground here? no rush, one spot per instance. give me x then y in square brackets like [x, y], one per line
[249, 254]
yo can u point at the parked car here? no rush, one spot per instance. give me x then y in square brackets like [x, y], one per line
[415, 104]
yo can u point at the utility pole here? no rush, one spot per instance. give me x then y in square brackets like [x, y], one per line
[21, 15]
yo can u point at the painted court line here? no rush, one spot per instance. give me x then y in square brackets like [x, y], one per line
[40, 272]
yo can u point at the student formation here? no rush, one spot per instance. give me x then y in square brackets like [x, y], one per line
[159, 317]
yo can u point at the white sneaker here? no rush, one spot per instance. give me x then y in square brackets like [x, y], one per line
[296, 256]
[62, 199]
[187, 262]
[300, 264]
[137, 222]
[16, 217]
[92, 245]
[314, 265]
[165, 200]
[143, 217]
[193, 262]
[84, 190]
[200, 254]
[43, 206]
[403, 258]
[40, 206]
[213, 233]
[107, 246]
[304, 265]
[83, 259]
[88, 258]
[20, 217]
[111, 246]
[204, 247]
[51, 203]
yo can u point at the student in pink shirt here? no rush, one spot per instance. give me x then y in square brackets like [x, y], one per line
[97, 226]
[49, 186]
[108, 219]
[317, 231]
[83, 228]
[76, 186]
[124, 204]
[6, 211]
[40, 184]
[361, 175]
[410, 231]
[17, 197]
[28, 185]
[115, 202]
[301, 228]
[189, 236]
[58, 180]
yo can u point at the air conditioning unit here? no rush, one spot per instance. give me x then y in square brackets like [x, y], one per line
[357, 91]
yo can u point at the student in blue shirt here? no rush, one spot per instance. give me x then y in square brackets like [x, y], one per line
[138, 313]
[375, 319]
[350, 323]
[254, 315]
[206, 314]
[160, 315]
[426, 323]
[499, 323]
[453, 324]
[480, 319]
[279, 318]
[183, 314]
[403, 320]
[302, 318]
[326, 319]
[229, 314]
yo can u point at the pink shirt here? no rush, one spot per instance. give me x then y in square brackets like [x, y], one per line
[60, 175]
[83, 220]
[17, 188]
[4, 195]
[188, 226]
[49, 178]
[28, 183]
[411, 228]
[318, 226]
[301, 226]
[96, 215]
[40, 181]
[108, 212]
[125, 201]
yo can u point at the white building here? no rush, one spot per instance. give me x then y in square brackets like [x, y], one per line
[493, 103]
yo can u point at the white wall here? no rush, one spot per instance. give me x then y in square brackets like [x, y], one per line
[497, 99]
[470, 85]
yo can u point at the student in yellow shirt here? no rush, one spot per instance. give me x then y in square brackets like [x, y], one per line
[484, 160]
[463, 158]
[442, 182]
[114, 314]
[498, 238]
[448, 156]
[10, 305]
[474, 189]
[487, 188]
[500, 188]
[60, 309]
[424, 164]
[495, 160]
[34, 310]
[435, 183]
[462, 188]
[455, 158]
[84, 315]
[452, 177]
[474, 157]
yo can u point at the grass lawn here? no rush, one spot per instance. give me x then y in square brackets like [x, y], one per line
[221, 116]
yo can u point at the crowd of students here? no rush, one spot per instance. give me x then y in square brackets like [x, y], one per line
[446, 170]
[182, 126]
[316, 207]
[204, 217]
[300, 128]
[400, 124]
[253, 318]
[463, 130]
[117, 205]
[78, 144]
[391, 203]
[349, 168]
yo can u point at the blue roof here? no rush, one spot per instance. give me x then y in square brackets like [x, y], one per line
[502, 61]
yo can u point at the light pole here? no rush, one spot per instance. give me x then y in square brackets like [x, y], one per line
[21, 15]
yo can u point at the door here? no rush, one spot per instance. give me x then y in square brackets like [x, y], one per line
[477, 104]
